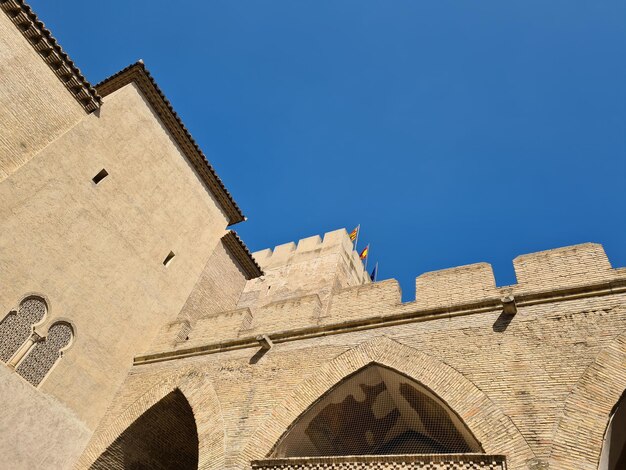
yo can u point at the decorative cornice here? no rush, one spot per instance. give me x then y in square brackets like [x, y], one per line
[240, 252]
[51, 52]
[138, 74]
[494, 304]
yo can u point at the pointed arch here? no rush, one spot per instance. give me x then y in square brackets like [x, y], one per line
[17, 326]
[164, 437]
[613, 456]
[198, 392]
[377, 411]
[584, 422]
[492, 429]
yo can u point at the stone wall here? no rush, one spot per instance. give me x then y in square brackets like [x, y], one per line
[96, 251]
[38, 431]
[296, 290]
[35, 107]
[521, 380]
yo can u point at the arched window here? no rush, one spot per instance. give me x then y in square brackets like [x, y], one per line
[377, 411]
[17, 326]
[614, 448]
[38, 362]
[163, 438]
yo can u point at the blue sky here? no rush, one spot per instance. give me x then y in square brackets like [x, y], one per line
[454, 132]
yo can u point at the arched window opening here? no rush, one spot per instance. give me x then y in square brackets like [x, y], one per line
[614, 448]
[40, 360]
[163, 438]
[17, 326]
[377, 411]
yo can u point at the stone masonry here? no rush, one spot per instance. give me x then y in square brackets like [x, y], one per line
[138, 331]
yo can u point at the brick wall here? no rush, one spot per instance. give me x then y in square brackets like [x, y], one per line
[35, 107]
[524, 384]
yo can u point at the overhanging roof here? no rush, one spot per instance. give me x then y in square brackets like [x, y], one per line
[90, 99]
[138, 74]
[240, 252]
[51, 52]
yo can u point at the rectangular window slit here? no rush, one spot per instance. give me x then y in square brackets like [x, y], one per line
[168, 259]
[100, 176]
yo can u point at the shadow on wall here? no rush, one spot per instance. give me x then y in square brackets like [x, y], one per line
[163, 438]
[502, 322]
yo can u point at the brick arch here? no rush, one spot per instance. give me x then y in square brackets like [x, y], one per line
[580, 432]
[492, 428]
[204, 403]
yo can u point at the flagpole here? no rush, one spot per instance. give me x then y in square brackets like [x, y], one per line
[356, 240]
[367, 256]
[376, 271]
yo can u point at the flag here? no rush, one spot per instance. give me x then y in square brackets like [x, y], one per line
[374, 273]
[355, 233]
[364, 253]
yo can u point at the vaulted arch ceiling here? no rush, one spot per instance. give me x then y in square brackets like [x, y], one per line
[163, 438]
[377, 411]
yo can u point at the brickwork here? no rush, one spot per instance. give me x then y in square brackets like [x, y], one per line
[200, 363]
[164, 437]
[35, 107]
[509, 378]
[312, 266]
[422, 462]
[580, 431]
[198, 391]
[208, 311]
[296, 291]
[568, 266]
[456, 285]
[151, 203]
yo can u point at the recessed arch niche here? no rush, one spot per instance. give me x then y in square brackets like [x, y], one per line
[377, 411]
[164, 437]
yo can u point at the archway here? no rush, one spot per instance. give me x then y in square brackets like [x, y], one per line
[492, 428]
[613, 455]
[578, 437]
[377, 411]
[164, 437]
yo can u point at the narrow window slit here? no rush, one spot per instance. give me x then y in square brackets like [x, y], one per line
[100, 176]
[168, 259]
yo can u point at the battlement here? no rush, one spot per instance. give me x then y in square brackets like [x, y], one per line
[306, 305]
[305, 249]
[563, 267]
[314, 265]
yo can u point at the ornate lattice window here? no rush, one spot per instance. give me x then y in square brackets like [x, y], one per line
[17, 326]
[45, 353]
[377, 411]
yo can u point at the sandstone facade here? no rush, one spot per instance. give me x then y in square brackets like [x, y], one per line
[138, 331]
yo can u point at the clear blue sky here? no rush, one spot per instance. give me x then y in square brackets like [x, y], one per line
[453, 131]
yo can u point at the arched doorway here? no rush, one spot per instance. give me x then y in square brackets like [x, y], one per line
[377, 411]
[613, 455]
[163, 438]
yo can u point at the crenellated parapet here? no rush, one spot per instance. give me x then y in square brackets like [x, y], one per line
[453, 286]
[563, 267]
[301, 305]
[550, 270]
[306, 249]
[313, 265]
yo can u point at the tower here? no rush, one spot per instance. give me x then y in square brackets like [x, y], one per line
[138, 331]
